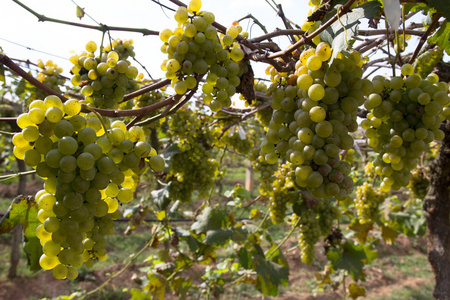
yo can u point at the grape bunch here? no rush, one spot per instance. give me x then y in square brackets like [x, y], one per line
[238, 139]
[311, 26]
[425, 62]
[282, 193]
[104, 79]
[88, 172]
[50, 75]
[264, 115]
[194, 168]
[405, 116]
[419, 184]
[316, 218]
[266, 171]
[194, 48]
[313, 119]
[367, 201]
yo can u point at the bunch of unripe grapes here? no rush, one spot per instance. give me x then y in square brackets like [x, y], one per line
[147, 99]
[265, 170]
[316, 219]
[124, 48]
[194, 48]
[104, 79]
[87, 172]
[310, 27]
[419, 184]
[312, 120]
[192, 170]
[238, 139]
[282, 193]
[186, 129]
[50, 75]
[367, 201]
[425, 62]
[405, 116]
[263, 116]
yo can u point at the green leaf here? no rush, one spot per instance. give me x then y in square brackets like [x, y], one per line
[217, 236]
[269, 275]
[161, 197]
[2, 73]
[442, 37]
[441, 6]
[337, 36]
[167, 155]
[210, 218]
[350, 258]
[240, 192]
[245, 258]
[24, 211]
[278, 256]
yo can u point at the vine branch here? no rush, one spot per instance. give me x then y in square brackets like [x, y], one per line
[6, 61]
[424, 37]
[101, 27]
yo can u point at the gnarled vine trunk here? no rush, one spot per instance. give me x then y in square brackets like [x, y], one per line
[437, 212]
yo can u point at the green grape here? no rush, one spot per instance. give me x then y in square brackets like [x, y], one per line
[316, 92]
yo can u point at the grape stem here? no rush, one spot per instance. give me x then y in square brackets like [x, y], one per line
[255, 20]
[425, 36]
[285, 21]
[6, 61]
[243, 118]
[101, 27]
[297, 223]
[306, 39]
[4, 178]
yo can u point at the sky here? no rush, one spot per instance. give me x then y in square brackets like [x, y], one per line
[20, 30]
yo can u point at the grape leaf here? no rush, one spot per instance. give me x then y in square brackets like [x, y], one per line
[24, 211]
[209, 219]
[337, 36]
[2, 73]
[245, 258]
[217, 236]
[362, 230]
[269, 275]
[389, 235]
[167, 155]
[356, 291]
[80, 12]
[442, 37]
[350, 257]
[441, 6]
[161, 197]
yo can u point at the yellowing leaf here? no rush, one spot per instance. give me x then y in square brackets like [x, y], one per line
[80, 12]
[389, 235]
[161, 215]
[356, 291]
[24, 211]
[361, 230]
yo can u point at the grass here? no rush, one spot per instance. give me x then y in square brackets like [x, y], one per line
[420, 292]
